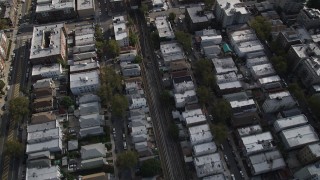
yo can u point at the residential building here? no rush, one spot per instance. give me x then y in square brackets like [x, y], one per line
[91, 131]
[171, 51]
[230, 12]
[290, 122]
[249, 130]
[204, 149]
[263, 6]
[55, 10]
[88, 98]
[44, 83]
[182, 84]
[130, 70]
[270, 15]
[91, 120]
[85, 56]
[253, 61]
[193, 117]
[187, 97]
[266, 162]
[43, 117]
[263, 70]
[224, 65]
[86, 8]
[116, 6]
[200, 134]
[309, 18]
[85, 82]
[44, 104]
[93, 155]
[243, 106]
[210, 40]
[43, 163]
[228, 77]
[44, 92]
[299, 52]
[96, 176]
[197, 18]
[73, 145]
[277, 26]
[84, 67]
[270, 82]
[43, 136]
[310, 153]
[46, 71]
[298, 136]
[309, 71]
[278, 101]
[42, 126]
[257, 143]
[3, 49]
[164, 28]
[180, 65]
[53, 145]
[309, 172]
[215, 177]
[243, 48]
[127, 56]
[291, 6]
[242, 36]
[120, 31]
[158, 3]
[48, 173]
[208, 165]
[89, 108]
[288, 38]
[229, 87]
[39, 155]
[211, 51]
[84, 35]
[136, 103]
[48, 44]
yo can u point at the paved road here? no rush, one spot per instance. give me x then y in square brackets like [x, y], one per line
[170, 153]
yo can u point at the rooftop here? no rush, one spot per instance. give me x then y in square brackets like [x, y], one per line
[120, 28]
[199, 133]
[263, 70]
[53, 145]
[257, 142]
[291, 35]
[269, 79]
[306, 50]
[164, 27]
[288, 122]
[42, 126]
[250, 46]
[43, 117]
[266, 162]
[46, 40]
[230, 76]
[45, 135]
[309, 171]
[298, 136]
[41, 69]
[89, 108]
[171, 51]
[205, 147]
[249, 130]
[196, 119]
[279, 95]
[232, 6]
[312, 13]
[208, 164]
[229, 85]
[88, 98]
[84, 79]
[224, 65]
[314, 63]
[181, 97]
[315, 149]
[93, 151]
[243, 36]
[198, 15]
[54, 5]
[43, 173]
[85, 4]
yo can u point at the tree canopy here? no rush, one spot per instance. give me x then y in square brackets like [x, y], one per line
[3, 24]
[262, 27]
[222, 111]
[137, 59]
[133, 38]
[296, 90]
[13, 148]
[172, 16]
[203, 71]
[2, 84]
[280, 64]
[18, 107]
[119, 104]
[314, 103]
[66, 101]
[127, 159]
[143, 8]
[113, 48]
[150, 168]
[174, 131]
[154, 36]
[184, 39]
[166, 98]
[203, 94]
[220, 132]
[313, 4]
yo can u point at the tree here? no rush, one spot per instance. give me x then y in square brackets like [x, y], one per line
[66, 101]
[313, 4]
[18, 107]
[280, 64]
[98, 33]
[62, 62]
[220, 132]
[143, 8]
[184, 39]
[166, 98]
[172, 17]
[137, 59]
[222, 111]
[127, 159]
[174, 131]
[262, 27]
[113, 48]
[2, 84]
[105, 94]
[119, 104]
[133, 39]
[130, 21]
[13, 148]
[296, 90]
[150, 168]
[3, 24]
[203, 94]
[208, 4]
[203, 71]
[314, 103]
[154, 36]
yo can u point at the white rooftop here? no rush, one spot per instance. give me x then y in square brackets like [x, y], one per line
[230, 76]
[41, 69]
[208, 164]
[249, 130]
[195, 119]
[269, 79]
[315, 149]
[85, 4]
[263, 70]
[298, 136]
[288, 122]
[181, 97]
[305, 50]
[84, 66]
[164, 28]
[52, 172]
[54, 5]
[279, 94]
[250, 46]
[44, 135]
[42, 126]
[229, 85]
[88, 98]
[53, 145]
[46, 40]
[201, 148]
[196, 17]
[191, 113]
[266, 162]
[243, 36]
[257, 142]
[314, 64]
[242, 103]
[84, 79]
[224, 65]
[231, 7]
[200, 133]
[171, 51]
[120, 28]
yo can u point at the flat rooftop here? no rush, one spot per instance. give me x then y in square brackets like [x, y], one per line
[42, 126]
[43, 173]
[315, 149]
[224, 65]
[200, 133]
[171, 51]
[196, 119]
[120, 28]
[243, 36]
[249, 130]
[298, 136]
[85, 4]
[263, 70]
[52, 145]
[257, 142]
[231, 7]
[54, 5]
[208, 164]
[198, 15]
[250, 46]
[44, 135]
[84, 79]
[229, 85]
[164, 28]
[201, 148]
[281, 94]
[288, 122]
[42, 69]
[269, 79]
[230, 76]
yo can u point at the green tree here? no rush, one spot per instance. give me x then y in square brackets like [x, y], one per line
[143, 8]
[172, 16]
[280, 64]
[222, 111]
[130, 21]
[119, 104]
[2, 84]
[4, 24]
[296, 90]
[208, 4]
[262, 27]
[154, 36]
[203, 94]
[184, 39]
[150, 168]
[113, 48]
[98, 33]
[220, 132]
[62, 62]
[133, 38]
[13, 148]
[18, 107]
[313, 4]
[203, 71]
[137, 59]
[66, 101]
[105, 94]
[314, 104]
[166, 98]
[174, 131]
[127, 159]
